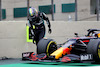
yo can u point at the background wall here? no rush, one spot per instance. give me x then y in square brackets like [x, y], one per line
[83, 9]
[13, 39]
[13, 35]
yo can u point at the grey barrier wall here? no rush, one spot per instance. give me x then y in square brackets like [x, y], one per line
[13, 39]
[13, 35]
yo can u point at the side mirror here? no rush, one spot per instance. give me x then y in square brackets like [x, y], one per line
[76, 34]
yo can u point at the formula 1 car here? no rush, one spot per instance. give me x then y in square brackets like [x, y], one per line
[85, 48]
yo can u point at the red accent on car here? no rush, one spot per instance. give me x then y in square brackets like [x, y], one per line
[85, 41]
[66, 50]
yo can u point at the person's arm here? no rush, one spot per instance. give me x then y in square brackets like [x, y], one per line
[48, 22]
[31, 27]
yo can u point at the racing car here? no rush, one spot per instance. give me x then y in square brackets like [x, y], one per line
[77, 48]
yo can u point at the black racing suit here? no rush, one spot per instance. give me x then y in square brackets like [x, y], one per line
[39, 31]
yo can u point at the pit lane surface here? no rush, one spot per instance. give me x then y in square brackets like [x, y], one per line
[20, 63]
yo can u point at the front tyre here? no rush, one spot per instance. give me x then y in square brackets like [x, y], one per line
[94, 48]
[47, 46]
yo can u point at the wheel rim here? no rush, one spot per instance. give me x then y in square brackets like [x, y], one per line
[51, 47]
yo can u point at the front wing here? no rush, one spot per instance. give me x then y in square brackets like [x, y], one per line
[31, 56]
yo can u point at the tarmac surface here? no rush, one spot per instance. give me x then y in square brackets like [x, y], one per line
[18, 62]
[12, 61]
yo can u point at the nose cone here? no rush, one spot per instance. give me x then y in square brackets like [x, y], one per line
[60, 52]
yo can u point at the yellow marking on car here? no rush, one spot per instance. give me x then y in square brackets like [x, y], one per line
[58, 53]
[49, 46]
[99, 46]
[99, 53]
[99, 35]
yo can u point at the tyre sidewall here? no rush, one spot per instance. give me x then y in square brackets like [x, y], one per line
[43, 46]
[94, 48]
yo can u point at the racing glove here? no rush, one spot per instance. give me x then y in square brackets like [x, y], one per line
[50, 31]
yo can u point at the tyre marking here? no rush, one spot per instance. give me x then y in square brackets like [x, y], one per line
[99, 51]
[48, 46]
